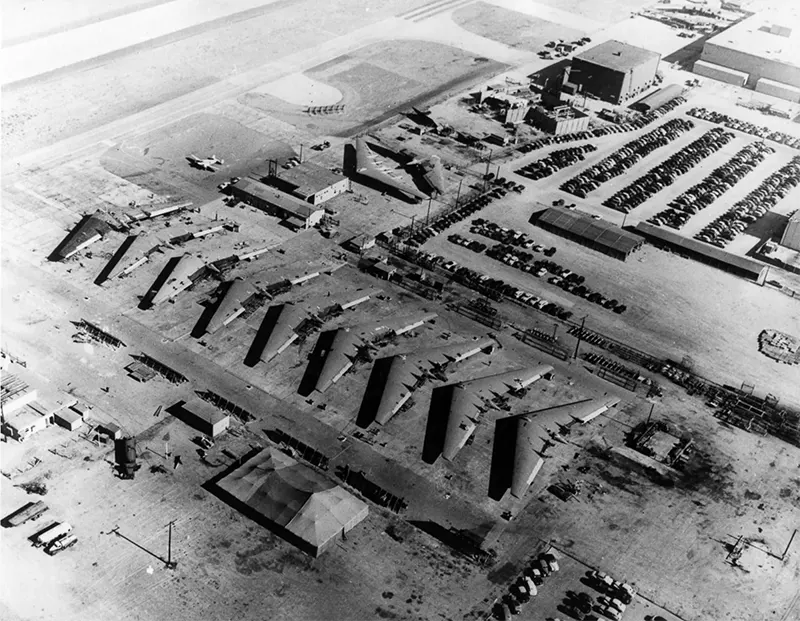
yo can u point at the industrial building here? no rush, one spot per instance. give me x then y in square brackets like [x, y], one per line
[760, 52]
[595, 234]
[296, 213]
[700, 251]
[559, 120]
[791, 234]
[612, 71]
[202, 416]
[310, 182]
[659, 98]
[294, 501]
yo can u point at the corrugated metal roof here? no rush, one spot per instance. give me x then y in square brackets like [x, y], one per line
[275, 197]
[659, 98]
[674, 239]
[617, 55]
[596, 231]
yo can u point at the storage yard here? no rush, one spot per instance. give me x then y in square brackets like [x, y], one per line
[309, 317]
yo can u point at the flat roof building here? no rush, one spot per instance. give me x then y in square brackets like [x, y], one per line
[311, 182]
[613, 71]
[202, 416]
[271, 200]
[760, 52]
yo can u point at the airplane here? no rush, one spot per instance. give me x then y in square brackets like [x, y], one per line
[463, 403]
[205, 163]
[432, 173]
[337, 350]
[371, 166]
[516, 463]
[394, 379]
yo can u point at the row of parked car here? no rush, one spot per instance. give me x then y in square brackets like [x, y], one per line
[712, 187]
[508, 236]
[555, 161]
[525, 587]
[443, 222]
[639, 123]
[744, 126]
[659, 177]
[729, 225]
[625, 157]
[471, 244]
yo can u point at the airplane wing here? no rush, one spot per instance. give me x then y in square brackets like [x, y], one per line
[434, 175]
[231, 305]
[88, 230]
[179, 279]
[282, 319]
[470, 399]
[369, 165]
[404, 370]
[345, 343]
[527, 461]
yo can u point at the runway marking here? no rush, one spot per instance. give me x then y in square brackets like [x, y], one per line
[435, 8]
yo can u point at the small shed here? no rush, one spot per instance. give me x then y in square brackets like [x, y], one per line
[69, 419]
[111, 430]
[203, 416]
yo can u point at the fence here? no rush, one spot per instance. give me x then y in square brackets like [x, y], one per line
[226, 406]
[163, 370]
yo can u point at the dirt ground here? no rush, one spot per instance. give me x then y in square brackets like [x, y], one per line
[513, 28]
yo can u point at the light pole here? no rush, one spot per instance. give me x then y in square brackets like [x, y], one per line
[580, 336]
[170, 563]
[428, 215]
[458, 194]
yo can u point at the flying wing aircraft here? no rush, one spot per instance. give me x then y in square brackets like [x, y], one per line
[456, 408]
[182, 275]
[432, 173]
[394, 379]
[336, 350]
[371, 166]
[89, 230]
[231, 304]
[522, 440]
[205, 163]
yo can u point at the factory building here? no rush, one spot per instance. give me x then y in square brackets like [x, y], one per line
[791, 234]
[760, 52]
[296, 213]
[559, 120]
[612, 71]
[310, 182]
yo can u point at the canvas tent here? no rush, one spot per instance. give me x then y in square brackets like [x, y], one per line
[293, 500]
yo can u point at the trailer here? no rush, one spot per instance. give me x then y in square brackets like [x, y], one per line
[51, 534]
[61, 544]
[32, 511]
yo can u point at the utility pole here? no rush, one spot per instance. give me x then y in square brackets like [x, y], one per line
[652, 407]
[458, 194]
[166, 444]
[170, 563]
[428, 216]
[555, 330]
[580, 336]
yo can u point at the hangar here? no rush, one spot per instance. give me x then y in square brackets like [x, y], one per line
[292, 500]
[596, 234]
[295, 212]
[613, 71]
[310, 182]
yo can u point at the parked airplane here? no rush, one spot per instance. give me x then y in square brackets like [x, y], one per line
[205, 163]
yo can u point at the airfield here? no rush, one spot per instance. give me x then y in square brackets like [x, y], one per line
[112, 122]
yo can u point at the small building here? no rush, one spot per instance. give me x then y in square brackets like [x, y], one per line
[791, 234]
[361, 243]
[68, 419]
[295, 212]
[658, 99]
[202, 416]
[310, 182]
[24, 422]
[14, 393]
[514, 108]
[559, 120]
[613, 71]
[378, 268]
[598, 235]
[112, 430]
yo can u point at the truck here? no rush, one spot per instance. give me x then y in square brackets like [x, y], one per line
[51, 534]
[33, 511]
[61, 544]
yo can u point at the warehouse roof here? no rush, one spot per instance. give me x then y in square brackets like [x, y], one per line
[309, 178]
[774, 35]
[274, 197]
[658, 98]
[596, 231]
[747, 266]
[617, 55]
